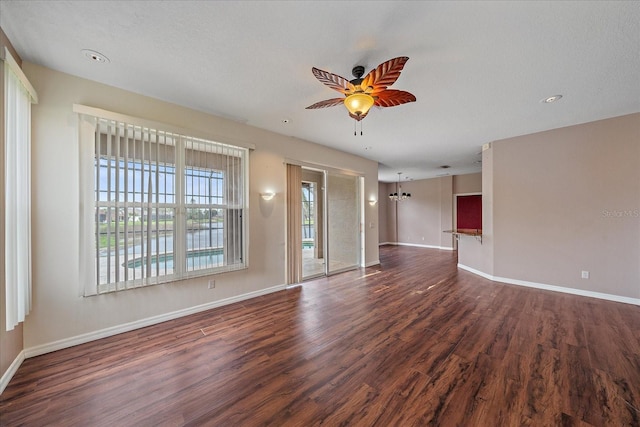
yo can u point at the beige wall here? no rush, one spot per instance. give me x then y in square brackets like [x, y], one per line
[11, 342]
[473, 253]
[564, 201]
[59, 313]
[465, 184]
[423, 218]
[384, 234]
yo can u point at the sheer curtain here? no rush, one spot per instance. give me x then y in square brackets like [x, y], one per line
[18, 95]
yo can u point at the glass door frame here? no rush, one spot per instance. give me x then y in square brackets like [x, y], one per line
[359, 234]
[324, 191]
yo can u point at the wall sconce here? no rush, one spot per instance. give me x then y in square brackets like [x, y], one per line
[267, 196]
[373, 202]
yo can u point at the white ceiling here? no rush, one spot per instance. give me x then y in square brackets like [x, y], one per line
[478, 69]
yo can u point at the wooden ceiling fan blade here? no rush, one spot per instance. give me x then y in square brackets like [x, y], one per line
[385, 74]
[326, 103]
[392, 98]
[334, 81]
[374, 85]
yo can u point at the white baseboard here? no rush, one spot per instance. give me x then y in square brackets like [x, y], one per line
[13, 368]
[114, 330]
[444, 248]
[566, 290]
[416, 245]
[474, 271]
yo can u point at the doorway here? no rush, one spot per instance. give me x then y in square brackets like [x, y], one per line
[467, 212]
[324, 217]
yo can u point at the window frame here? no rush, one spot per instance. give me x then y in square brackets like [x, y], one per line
[183, 140]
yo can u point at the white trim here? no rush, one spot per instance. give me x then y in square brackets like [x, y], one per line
[114, 330]
[137, 121]
[566, 290]
[371, 264]
[6, 56]
[477, 193]
[477, 272]
[444, 248]
[13, 368]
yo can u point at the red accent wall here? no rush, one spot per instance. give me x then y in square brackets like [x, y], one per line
[469, 213]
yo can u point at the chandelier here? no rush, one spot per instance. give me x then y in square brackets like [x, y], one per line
[399, 195]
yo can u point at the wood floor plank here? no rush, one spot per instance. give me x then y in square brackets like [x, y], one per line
[412, 342]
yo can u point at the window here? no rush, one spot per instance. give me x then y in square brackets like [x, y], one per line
[165, 206]
[18, 97]
[308, 213]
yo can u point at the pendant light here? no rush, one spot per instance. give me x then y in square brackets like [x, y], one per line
[399, 195]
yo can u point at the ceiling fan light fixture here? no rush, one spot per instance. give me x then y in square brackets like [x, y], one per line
[362, 93]
[359, 103]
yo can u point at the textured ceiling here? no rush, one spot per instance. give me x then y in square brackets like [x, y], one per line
[478, 69]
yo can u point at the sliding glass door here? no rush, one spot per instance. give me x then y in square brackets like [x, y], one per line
[312, 204]
[324, 222]
[343, 222]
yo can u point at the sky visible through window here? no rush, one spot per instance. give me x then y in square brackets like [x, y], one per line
[202, 186]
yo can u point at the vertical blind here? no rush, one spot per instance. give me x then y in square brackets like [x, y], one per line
[165, 206]
[18, 94]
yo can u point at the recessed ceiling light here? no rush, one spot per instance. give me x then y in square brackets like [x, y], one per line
[285, 121]
[95, 56]
[445, 167]
[551, 99]
[368, 148]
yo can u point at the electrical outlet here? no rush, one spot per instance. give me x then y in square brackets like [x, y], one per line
[212, 284]
[585, 274]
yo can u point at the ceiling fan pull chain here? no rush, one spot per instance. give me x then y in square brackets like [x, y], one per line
[354, 128]
[361, 129]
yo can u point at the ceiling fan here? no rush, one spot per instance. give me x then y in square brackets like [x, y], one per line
[363, 93]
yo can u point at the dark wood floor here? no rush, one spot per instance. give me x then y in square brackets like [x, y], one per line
[411, 342]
